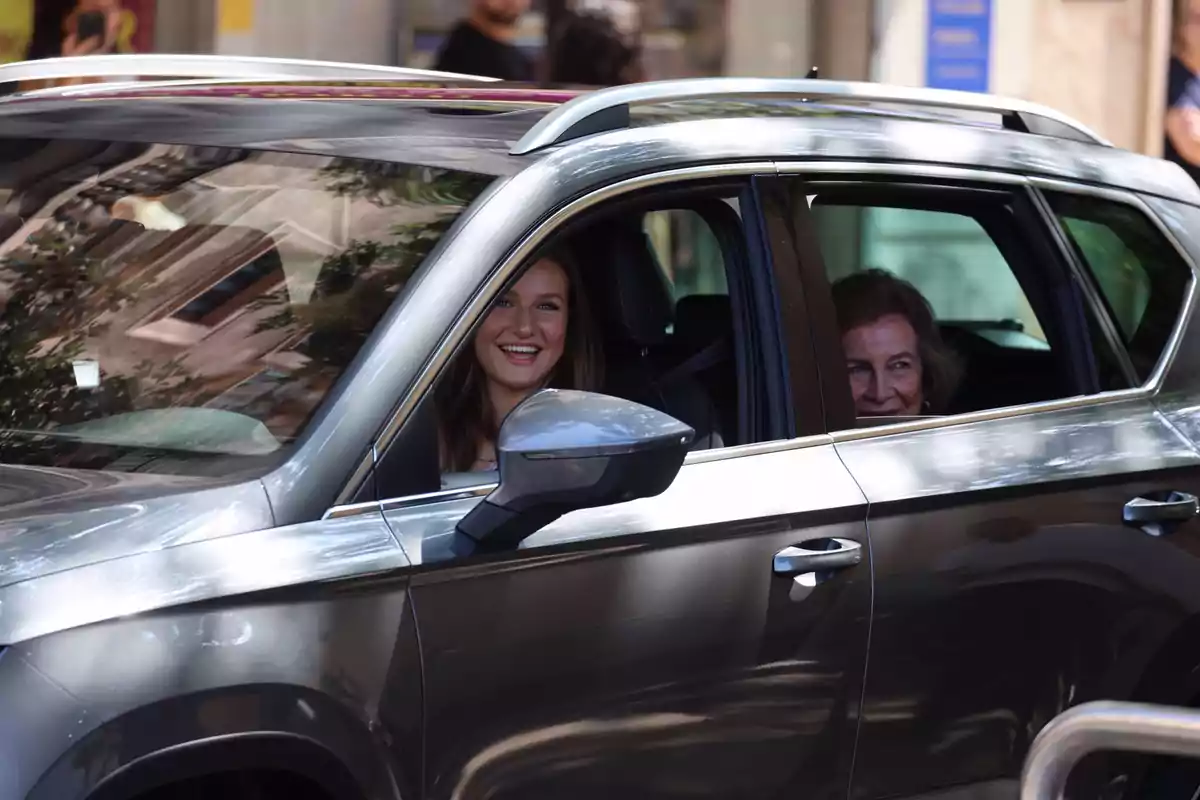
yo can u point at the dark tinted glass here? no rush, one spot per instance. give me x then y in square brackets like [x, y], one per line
[688, 251]
[186, 310]
[1141, 275]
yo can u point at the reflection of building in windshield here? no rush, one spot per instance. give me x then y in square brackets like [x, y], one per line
[253, 300]
[224, 298]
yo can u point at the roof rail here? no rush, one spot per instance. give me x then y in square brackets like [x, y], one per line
[213, 66]
[609, 109]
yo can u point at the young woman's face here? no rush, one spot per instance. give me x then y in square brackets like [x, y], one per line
[884, 362]
[522, 339]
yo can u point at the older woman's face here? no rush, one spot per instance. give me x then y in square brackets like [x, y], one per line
[883, 358]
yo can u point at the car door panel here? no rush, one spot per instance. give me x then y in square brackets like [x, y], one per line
[647, 649]
[1008, 587]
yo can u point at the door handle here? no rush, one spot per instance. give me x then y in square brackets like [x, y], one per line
[817, 555]
[1154, 514]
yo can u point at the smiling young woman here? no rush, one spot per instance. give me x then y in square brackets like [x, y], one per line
[538, 334]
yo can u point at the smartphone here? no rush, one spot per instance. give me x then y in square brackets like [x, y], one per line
[90, 25]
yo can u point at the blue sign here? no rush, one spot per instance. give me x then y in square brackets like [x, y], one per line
[958, 45]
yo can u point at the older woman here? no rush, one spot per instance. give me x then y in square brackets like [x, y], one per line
[895, 356]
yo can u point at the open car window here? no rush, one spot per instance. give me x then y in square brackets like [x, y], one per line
[951, 300]
[176, 309]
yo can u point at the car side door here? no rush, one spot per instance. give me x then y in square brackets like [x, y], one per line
[682, 645]
[1034, 547]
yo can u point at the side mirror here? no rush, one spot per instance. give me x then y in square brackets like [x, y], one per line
[560, 451]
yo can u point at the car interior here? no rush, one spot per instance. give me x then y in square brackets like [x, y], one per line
[689, 355]
[1002, 364]
[677, 355]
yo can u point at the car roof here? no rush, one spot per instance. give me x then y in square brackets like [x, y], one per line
[481, 127]
[440, 133]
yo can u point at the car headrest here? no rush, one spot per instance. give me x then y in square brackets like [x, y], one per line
[703, 318]
[9, 224]
[636, 298]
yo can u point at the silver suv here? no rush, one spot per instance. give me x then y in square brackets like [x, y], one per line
[253, 542]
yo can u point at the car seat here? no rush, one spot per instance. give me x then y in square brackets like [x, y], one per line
[634, 308]
[701, 345]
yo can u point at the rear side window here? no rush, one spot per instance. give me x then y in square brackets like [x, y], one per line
[1141, 276]
[1001, 316]
[950, 258]
[688, 251]
[186, 310]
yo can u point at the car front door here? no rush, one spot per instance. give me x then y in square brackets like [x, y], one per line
[680, 646]
[1026, 558]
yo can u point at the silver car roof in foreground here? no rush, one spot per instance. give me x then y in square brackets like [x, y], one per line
[608, 109]
[1105, 726]
[214, 66]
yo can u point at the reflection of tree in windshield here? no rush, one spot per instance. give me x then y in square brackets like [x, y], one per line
[281, 269]
[55, 304]
[354, 287]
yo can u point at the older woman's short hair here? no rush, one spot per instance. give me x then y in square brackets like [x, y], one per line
[864, 297]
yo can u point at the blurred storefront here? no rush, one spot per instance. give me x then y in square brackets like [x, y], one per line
[36, 28]
[1102, 62]
[680, 38]
[16, 29]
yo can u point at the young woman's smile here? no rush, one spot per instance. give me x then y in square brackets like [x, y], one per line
[522, 339]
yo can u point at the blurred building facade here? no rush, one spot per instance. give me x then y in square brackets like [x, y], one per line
[1101, 61]
[680, 37]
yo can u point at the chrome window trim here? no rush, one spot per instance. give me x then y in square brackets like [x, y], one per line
[987, 415]
[482, 489]
[915, 169]
[467, 319]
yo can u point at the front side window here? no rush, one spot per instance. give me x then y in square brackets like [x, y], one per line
[627, 302]
[186, 310]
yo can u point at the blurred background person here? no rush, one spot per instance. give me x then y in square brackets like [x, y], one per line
[49, 21]
[482, 44]
[589, 49]
[93, 27]
[1182, 142]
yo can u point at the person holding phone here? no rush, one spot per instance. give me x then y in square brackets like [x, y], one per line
[93, 27]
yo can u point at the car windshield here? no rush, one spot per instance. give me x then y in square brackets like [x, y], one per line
[186, 310]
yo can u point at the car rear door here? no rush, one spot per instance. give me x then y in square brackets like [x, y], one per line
[681, 646]
[1027, 557]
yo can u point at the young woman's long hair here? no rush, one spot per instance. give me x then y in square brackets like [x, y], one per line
[465, 415]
